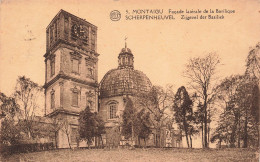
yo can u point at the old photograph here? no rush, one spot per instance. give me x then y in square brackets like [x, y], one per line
[117, 80]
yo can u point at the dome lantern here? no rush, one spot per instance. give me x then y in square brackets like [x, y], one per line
[125, 59]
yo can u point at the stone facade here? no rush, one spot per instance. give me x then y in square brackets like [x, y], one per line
[71, 83]
[71, 72]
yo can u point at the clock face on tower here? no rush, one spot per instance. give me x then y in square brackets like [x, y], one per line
[79, 31]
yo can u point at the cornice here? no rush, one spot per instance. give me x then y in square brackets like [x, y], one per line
[67, 77]
[62, 111]
[63, 43]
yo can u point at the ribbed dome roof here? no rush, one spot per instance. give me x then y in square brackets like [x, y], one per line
[125, 81]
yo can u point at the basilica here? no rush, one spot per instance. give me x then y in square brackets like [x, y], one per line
[71, 82]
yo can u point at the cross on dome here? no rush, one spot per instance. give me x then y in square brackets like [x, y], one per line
[125, 42]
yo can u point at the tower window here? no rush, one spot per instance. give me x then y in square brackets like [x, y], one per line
[93, 40]
[90, 72]
[90, 104]
[90, 98]
[52, 99]
[52, 66]
[75, 61]
[51, 33]
[112, 111]
[75, 66]
[90, 67]
[74, 98]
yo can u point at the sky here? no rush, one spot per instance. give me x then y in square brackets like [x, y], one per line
[161, 48]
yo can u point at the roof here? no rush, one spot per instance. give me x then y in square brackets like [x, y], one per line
[117, 82]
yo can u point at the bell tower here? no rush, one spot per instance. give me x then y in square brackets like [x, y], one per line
[71, 71]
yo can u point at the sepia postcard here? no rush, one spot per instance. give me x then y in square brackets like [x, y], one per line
[117, 80]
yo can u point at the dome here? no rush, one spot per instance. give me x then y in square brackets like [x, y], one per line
[126, 50]
[124, 80]
[117, 82]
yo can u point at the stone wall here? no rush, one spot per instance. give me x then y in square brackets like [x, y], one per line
[104, 108]
[66, 65]
[57, 57]
[54, 88]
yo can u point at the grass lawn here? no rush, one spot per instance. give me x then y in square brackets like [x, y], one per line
[151, 154]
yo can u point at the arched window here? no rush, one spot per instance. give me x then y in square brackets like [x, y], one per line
[112, 110]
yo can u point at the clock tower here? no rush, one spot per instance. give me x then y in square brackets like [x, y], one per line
[71, 72]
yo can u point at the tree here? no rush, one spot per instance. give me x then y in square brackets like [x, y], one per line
[8, 108]
[220, 133]
[255, 110]
[158, 102]
[223, 131]
[241, 97]
[253, 71]
[99, 127]
[199, 119]
[136, 123]
[253, 62]
[10, 134]
[143, 125]
[183, 112]
[255, 103]
[129, 120]
[26, 95]
[236, 123]
[66, 130]
[86, 125]
[56, 125]
[200, 72]
[245, 100]
[228, 94]
[90, 125]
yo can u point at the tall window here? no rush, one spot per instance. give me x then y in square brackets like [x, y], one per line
[52, 66]
[74, 98]
[52, 99]
[73, 136]
[93, 40]
[90, 66]
[90, 72]
[112, 111]
[75, 66]
[90, 98]
[90, 104]
[51, 33]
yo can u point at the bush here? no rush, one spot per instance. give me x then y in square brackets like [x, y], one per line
[24, 148]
